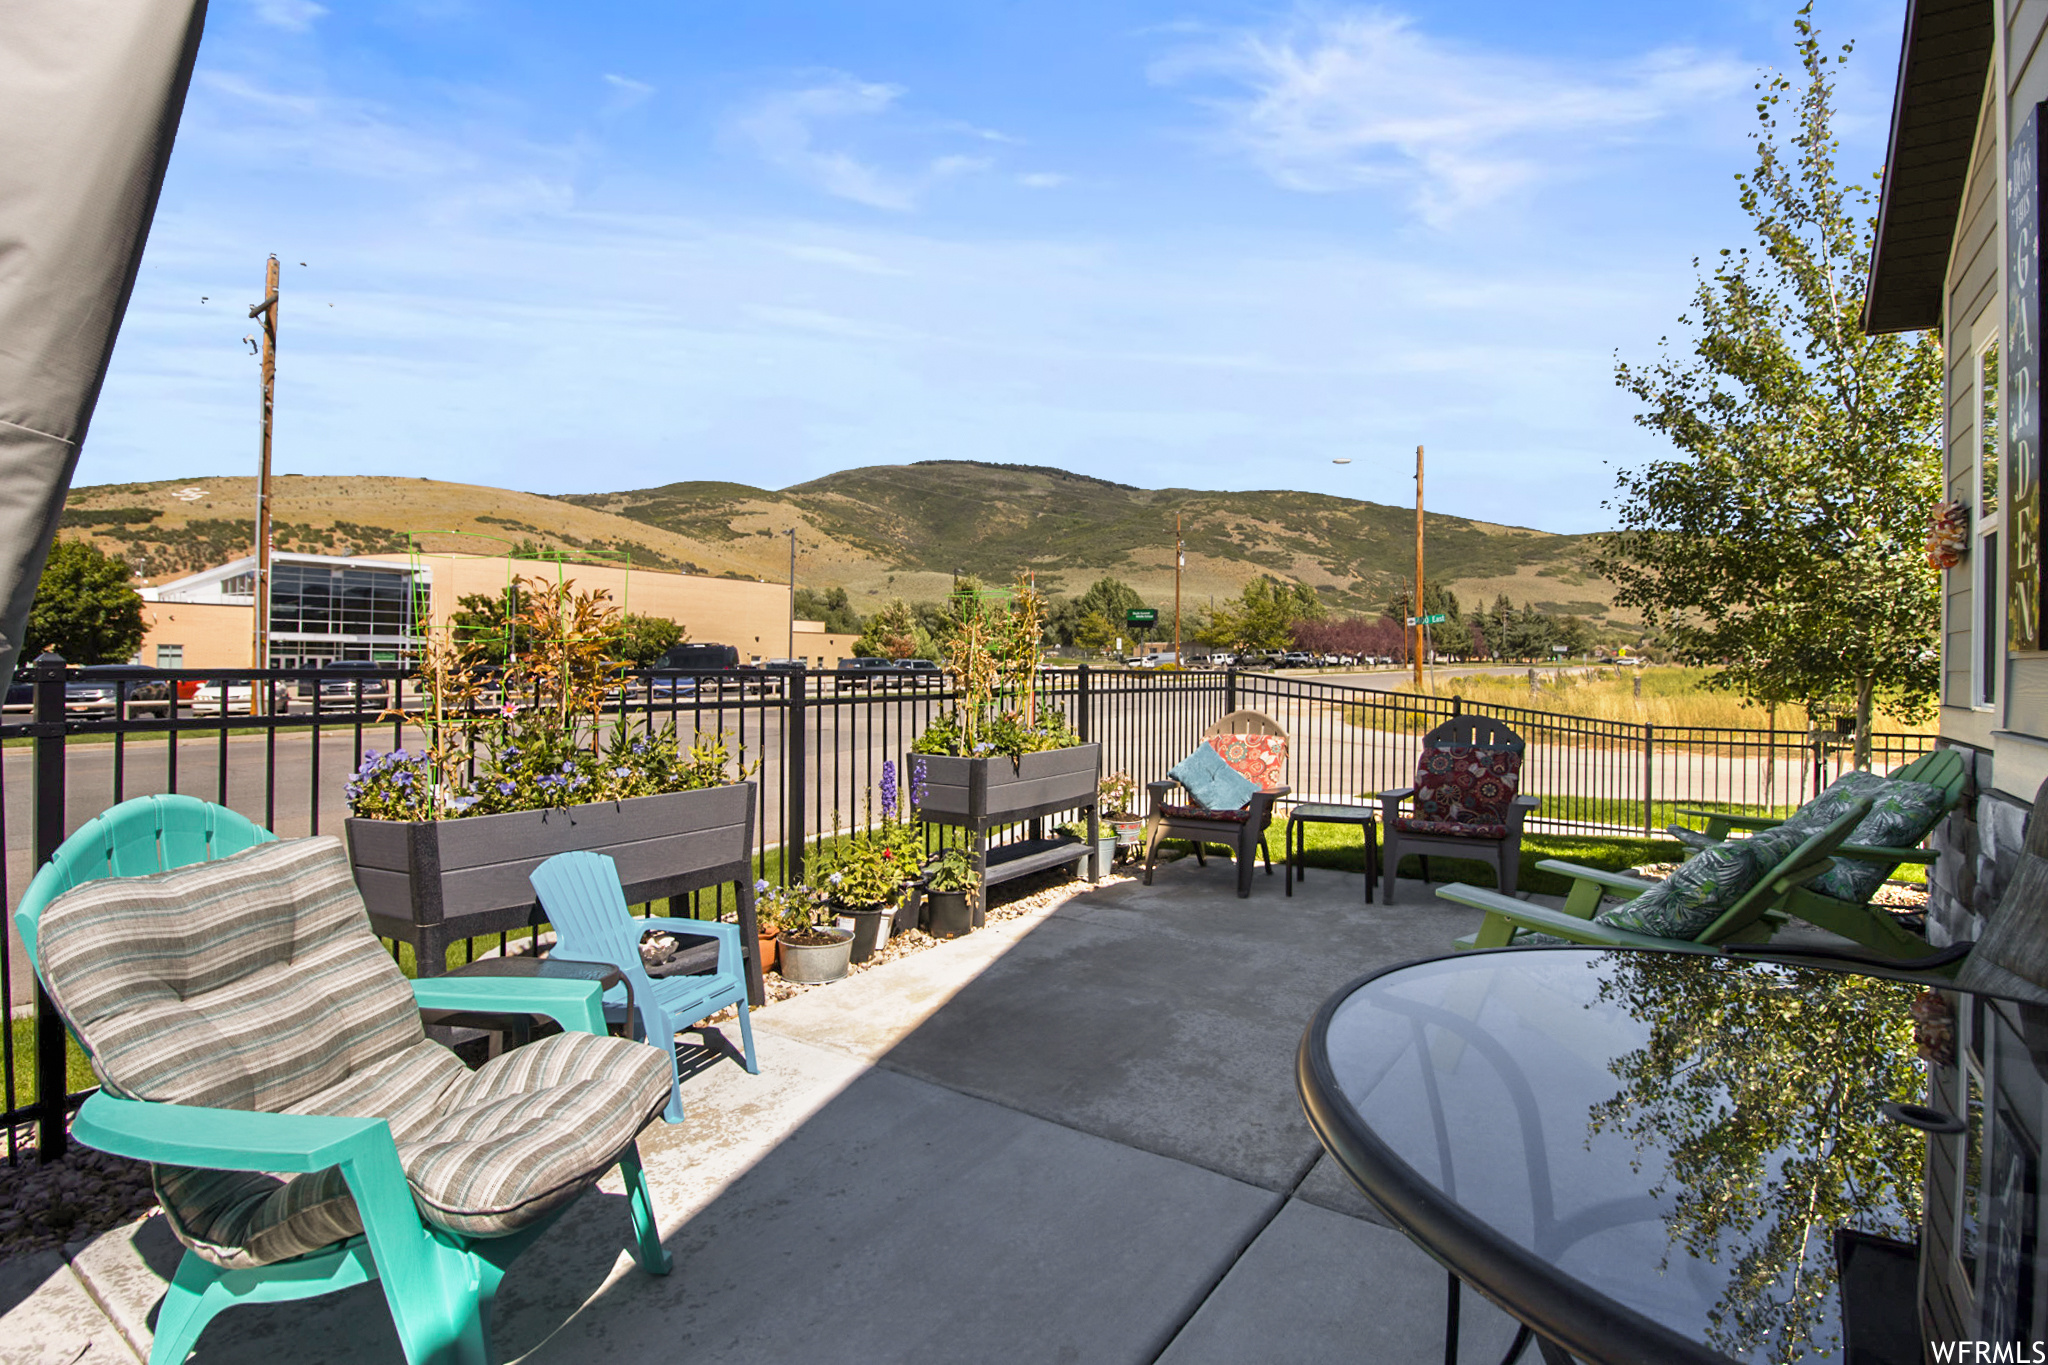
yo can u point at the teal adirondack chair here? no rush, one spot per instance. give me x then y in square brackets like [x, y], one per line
[584, 901]
[1858, 920]
[1753, 916]
[439, 1283]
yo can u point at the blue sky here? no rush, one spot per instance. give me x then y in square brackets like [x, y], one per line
[572, 248]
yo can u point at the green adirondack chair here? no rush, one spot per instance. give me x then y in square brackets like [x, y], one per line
[1858, 920]
[439, 1283]
[1753, 916]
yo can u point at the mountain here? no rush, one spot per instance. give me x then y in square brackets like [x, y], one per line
[879, 532]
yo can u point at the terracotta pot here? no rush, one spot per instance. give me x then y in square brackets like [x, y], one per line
[767, 951]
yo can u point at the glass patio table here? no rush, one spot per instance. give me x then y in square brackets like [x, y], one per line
[1690, 1157]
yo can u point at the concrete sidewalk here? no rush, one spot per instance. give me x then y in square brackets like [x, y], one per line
[1067, 1137]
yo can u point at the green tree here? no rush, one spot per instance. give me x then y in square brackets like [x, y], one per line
[830, 606]
[488, 628]
[85, 607]
[1113, 599]
[1262, 616]
[1784, 536]
[1095, 631]
[894, 632]
[644, 639]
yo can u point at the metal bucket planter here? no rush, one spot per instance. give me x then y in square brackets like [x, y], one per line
[809, 963]
[435, 882]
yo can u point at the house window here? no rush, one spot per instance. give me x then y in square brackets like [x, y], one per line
[1989, 580]
[170, 656]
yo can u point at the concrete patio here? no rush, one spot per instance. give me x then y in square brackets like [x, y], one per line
[1071, 1136]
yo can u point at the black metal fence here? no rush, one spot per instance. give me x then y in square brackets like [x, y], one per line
[279, 745]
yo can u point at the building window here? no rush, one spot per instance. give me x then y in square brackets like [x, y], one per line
[1989, 581]
[241, 585]
[170, 656]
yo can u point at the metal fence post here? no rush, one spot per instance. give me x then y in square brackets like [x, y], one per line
[1457, 705]
[1649, 780]
[1081, 726]
[795, 766]
[1229, 689]
[52, 1085]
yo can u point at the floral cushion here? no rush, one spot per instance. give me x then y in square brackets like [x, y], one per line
[1229, 817]
[1463, 784]
[1684, 904]
[1449, 829]
[1259, 757]
[1901, 815]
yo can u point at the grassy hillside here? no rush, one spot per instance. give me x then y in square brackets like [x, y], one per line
[879, 532]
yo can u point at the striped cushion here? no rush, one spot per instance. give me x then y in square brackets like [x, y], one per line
[486, 1152]
[254, 982]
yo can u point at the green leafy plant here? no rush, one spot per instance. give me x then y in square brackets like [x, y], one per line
[869, 867]
[951, 870]
[994, 652]
[532, 737]
[791, 911]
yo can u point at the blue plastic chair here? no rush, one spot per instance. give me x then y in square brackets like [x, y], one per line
[583, 899]
[439, 1286]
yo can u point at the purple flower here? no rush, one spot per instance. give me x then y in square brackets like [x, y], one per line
[888, 789]
[917, 781]
[506, 788]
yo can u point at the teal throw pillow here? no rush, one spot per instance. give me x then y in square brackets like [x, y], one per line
[1213, 783]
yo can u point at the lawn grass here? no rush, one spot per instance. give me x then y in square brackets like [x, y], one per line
[1339, 848]
[1669, 695]
[77, 1070]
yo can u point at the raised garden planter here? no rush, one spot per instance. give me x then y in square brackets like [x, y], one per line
[434, 882]
[978, 794]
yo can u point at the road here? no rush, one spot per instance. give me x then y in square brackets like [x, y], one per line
[1146, 722]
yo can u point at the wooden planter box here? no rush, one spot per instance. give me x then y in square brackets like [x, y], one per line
[978, 794]
[432, 882]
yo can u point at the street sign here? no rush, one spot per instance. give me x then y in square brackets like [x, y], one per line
[1435, 620]
[1142, 616]
[1560, 649]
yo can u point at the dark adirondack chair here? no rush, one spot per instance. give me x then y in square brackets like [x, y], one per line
[1858, 920]
[1243, 829]
[1754, 915]
[1489, 835]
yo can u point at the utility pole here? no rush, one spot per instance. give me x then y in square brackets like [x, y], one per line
[1419, 612]
[791, 533]
[259, 647]
[1180, 561]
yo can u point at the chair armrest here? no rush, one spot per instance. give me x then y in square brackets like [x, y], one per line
[1860, 957]
[728, 936]
[578, 1006]
[224, 1139]
[1528, 802]
[1157, 792]
[1619, 883]
[1397, 794]
[1558, 924]
[1877, 853]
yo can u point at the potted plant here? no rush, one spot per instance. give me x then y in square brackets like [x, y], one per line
[949, 882]
[865, 873]
[811, 952]
[442, 838]
[771, 917]
[1116, 796]
[998, 756]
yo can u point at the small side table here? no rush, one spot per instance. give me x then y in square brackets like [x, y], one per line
[545, 968]
[1313, 813]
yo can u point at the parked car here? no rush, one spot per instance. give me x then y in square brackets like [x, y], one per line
[1294, 658]
[349, 684]
[142, 689]
[699, 658]
[206, 698]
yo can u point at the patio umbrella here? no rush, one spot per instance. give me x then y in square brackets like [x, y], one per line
[90, 93]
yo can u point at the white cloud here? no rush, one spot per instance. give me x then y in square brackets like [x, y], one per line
[1361, 99]
[1041, 180]
[626, 93]
[790, 129]
[295, 15]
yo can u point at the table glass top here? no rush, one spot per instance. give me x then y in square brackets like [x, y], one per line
[1682, 1133]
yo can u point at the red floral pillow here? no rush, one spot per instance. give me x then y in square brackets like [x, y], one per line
[1462, 784]
[1259, 757]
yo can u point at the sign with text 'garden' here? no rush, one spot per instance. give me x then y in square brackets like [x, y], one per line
[2023, 383]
